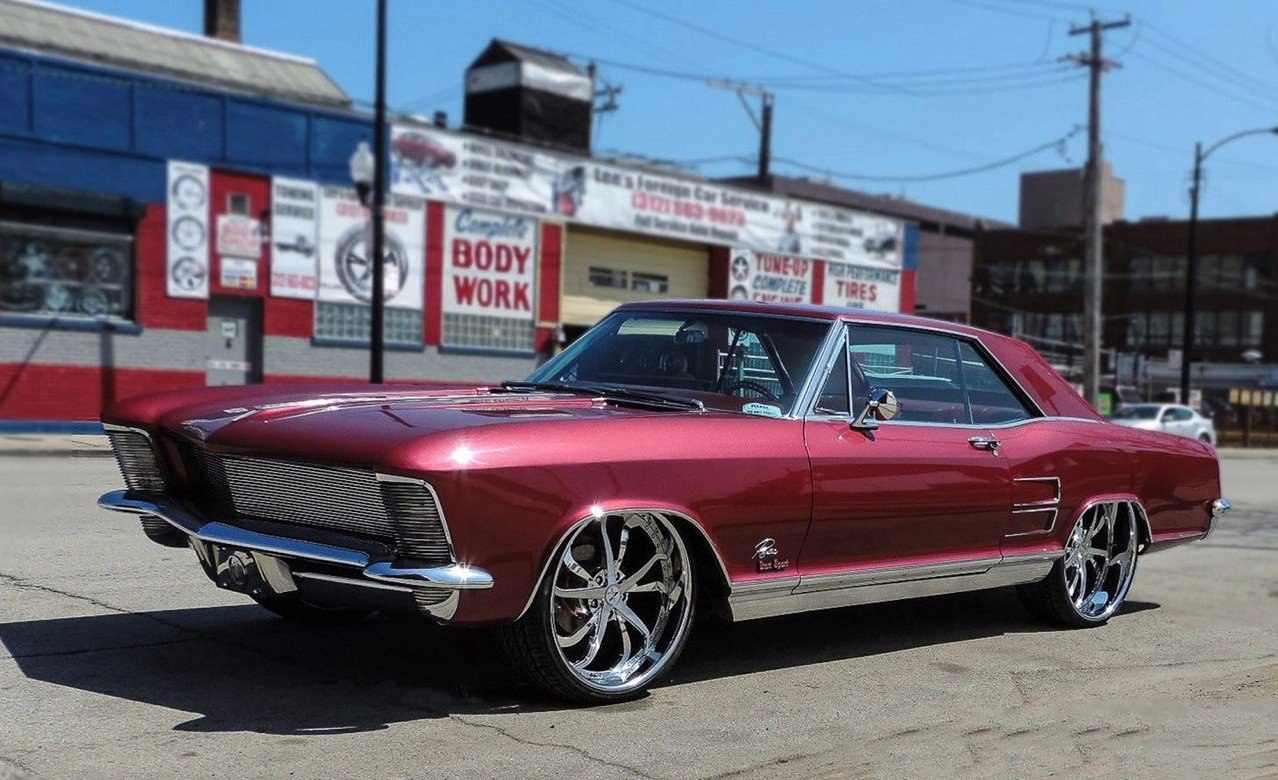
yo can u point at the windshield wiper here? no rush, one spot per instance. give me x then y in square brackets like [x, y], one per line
[610, 392]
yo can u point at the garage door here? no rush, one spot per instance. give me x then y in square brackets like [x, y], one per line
[602, 270]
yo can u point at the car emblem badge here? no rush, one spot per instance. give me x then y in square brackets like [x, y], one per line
[768, 558]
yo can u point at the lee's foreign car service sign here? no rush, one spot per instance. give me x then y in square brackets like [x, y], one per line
[463, 170]
[490, 265]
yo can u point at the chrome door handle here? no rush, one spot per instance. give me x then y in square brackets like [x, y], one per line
[985, 443]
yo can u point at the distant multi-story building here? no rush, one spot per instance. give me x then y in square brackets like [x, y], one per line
[1029, 283]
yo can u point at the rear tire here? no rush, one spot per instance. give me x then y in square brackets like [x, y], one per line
[1090, 582]
[612, 613]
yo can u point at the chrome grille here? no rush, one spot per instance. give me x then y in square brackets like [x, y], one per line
[416, 512]
[322, 496]
[137, 461]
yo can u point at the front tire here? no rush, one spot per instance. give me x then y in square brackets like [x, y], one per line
[1090, 582]
[612, 613]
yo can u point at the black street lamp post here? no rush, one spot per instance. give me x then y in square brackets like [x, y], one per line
[368, 172]
[1191, 258]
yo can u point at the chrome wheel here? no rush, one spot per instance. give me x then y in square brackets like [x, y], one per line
[621, 600]
[1100, 559]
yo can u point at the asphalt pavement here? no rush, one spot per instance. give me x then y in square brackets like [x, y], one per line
[119, 659]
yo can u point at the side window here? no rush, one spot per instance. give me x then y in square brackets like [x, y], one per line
[936, 378]
[991, 400]
[921, 369]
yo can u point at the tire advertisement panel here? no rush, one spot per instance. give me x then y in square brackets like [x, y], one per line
[294, 237]
[490, 264]
[767, 276]
[512, 178]
[187, 237]
[862, 287]
[346, 269]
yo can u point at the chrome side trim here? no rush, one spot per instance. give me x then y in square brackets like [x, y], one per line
[559, 543]
[451, 576]
[768, 598]
[1051, 505]
[888, 574]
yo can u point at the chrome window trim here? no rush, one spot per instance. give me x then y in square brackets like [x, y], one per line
[819, 370]
[439, 506]
[977, 344]
[965, 426]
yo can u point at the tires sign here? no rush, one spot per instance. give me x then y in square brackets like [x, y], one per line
[187, 236]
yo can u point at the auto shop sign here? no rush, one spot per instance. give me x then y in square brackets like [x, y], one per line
[489, 263]
[767, 276]
[862, 287]
[346, 267]
[483, 173]
[294, 237]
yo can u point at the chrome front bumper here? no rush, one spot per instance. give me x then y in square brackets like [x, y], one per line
[1218, 508]
[371, 573]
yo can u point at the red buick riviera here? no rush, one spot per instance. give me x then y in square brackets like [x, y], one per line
[700, 456]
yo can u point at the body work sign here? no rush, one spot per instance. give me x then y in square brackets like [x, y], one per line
[490, 264]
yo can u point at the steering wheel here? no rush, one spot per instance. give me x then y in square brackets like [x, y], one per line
[758, 389]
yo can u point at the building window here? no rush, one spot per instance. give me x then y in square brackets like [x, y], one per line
[1253, 332]
[479, 331]
[608, 277]
[238, 203]
[351, 323]
[649, 283]
[65, 272]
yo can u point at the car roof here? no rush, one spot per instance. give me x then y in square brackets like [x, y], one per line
[809, 311]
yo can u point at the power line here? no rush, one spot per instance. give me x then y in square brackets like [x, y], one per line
[1057, 143]
[748, 45]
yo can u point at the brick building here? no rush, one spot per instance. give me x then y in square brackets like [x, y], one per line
[176, 210]
[1029, 283]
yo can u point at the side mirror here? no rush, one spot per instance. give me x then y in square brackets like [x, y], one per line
[880, 405]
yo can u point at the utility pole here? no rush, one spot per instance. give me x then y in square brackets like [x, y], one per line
[1092, 223]
[764, 125]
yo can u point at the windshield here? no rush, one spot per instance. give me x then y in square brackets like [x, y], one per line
[1143, 412]
[727, 361]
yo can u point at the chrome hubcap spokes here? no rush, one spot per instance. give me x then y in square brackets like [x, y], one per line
[1100, 558]
[620, 599]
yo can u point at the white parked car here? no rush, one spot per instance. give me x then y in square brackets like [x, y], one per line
[1169, 418]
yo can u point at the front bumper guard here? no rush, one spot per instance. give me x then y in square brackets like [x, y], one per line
[454, 576]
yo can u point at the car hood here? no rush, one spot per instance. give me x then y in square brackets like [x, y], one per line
[367, 426]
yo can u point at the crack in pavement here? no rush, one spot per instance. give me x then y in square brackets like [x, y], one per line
[571, 748]
[13, 769]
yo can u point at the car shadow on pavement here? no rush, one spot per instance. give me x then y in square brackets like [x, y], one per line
[239, 668]
[857, 632]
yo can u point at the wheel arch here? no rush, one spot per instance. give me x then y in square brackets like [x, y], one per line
[1144, 533]
[708, 564]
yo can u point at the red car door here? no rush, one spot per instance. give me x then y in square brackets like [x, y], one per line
[909, 494]
[927, 487]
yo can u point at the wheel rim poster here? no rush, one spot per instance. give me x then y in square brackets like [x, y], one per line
[187, 234]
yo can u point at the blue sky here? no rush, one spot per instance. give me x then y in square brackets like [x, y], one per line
[900, 89]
